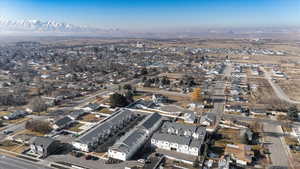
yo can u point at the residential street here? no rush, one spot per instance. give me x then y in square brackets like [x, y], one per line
[15, 163]
[279, 154]
[219, 97]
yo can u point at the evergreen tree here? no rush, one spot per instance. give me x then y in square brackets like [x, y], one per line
[293, 113]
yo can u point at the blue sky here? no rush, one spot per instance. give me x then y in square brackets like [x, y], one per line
[157, 14]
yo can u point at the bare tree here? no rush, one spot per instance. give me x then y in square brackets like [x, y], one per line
[38, 105]
[38, 126]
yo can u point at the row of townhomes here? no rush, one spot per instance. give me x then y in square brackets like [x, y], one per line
[180, 138]
[128, 145]
[97, 135]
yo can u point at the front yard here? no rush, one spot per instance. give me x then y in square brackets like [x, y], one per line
[76, 127]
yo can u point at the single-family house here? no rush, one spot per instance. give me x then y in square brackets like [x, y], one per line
[62, 123]
[43, 146]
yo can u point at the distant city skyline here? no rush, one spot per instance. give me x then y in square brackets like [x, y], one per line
[157, 14]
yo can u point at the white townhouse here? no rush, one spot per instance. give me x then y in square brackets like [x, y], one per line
[108, 127]
[132, 141]
[180, 138]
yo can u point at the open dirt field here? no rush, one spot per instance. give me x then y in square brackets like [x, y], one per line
[264, 92]
[291, 88]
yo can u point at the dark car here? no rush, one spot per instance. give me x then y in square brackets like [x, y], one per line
[77, 154]
[8, 132]
[95, 158]
[88, 157]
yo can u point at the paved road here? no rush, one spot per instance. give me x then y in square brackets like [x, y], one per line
[218, 92]
[15, 163]
[91, 164]
[279, 92]
[228, 70]
[274, 134]
[279, 155]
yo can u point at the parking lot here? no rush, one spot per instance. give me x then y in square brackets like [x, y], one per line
[92, 164]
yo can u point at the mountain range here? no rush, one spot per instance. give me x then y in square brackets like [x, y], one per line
[47, 27]
[53, 28]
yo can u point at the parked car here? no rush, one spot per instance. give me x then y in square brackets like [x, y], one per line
[8, 132]
[95, 158]
[141, 161]
[76, 154]
[88, 157]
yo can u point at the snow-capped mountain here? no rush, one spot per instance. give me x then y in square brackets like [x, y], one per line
[40, 26]
[47, 27]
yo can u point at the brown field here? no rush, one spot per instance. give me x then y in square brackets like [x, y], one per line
[291, 88]
[291, 48]
[19, 120]
[263, 93]
[34, 133]
[8, 145]
[232, 136]
[4, 113]
[290, 140]
[105, 111]
[75, 127]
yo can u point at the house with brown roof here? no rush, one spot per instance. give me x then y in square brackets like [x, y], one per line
[241, 153]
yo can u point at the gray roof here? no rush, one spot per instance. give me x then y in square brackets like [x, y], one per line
[145, 103]
[77, 113]
[196, 142]
[201, 131]
[107, 124]
[126, 143]
[180, 138]
[63, 121]
[17, 113]
[172, 138]
[178, 126]
[150, 120]
[93, 106]
[208, 116]
[137, 135]
[42, 141]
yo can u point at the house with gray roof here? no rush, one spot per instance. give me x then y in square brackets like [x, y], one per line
[62, 122]
[142, 104]
[15, 115]
[132, 141]
[208, 119]
[43, 146]
[76, 114]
